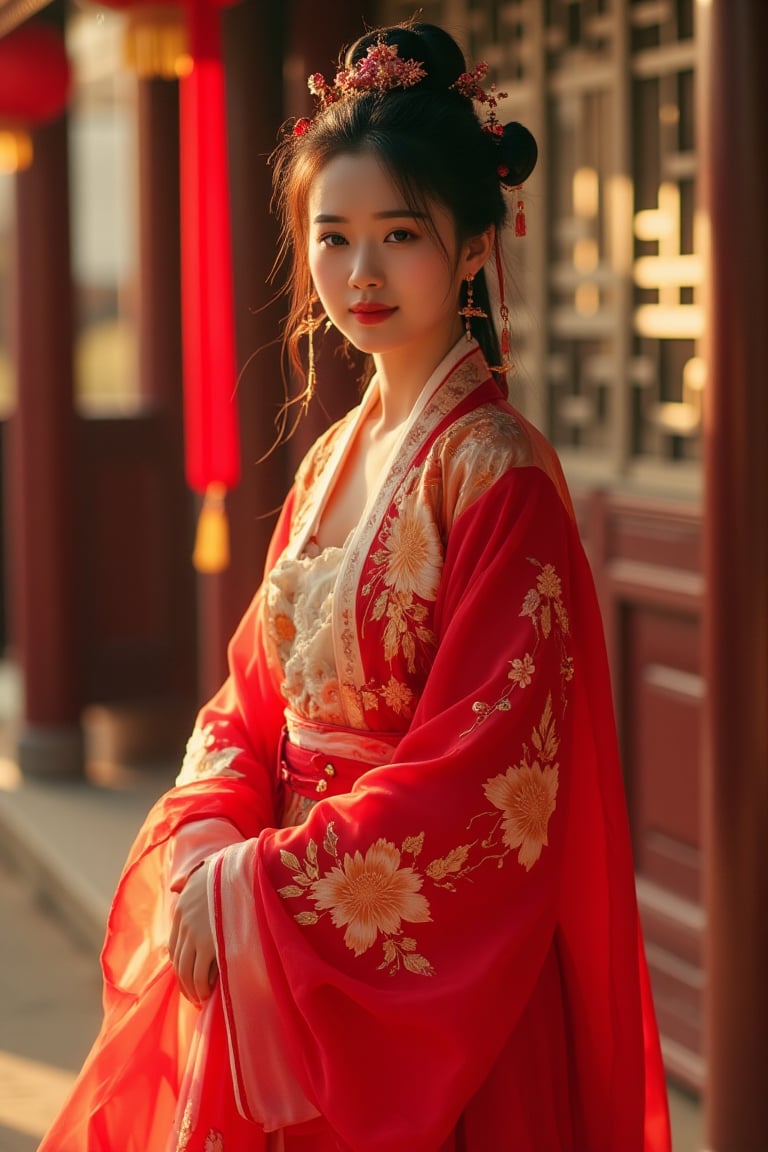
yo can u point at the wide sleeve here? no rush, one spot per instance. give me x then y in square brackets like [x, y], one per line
[405, 925]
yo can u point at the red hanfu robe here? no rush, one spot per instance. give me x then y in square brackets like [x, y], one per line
[439, 950]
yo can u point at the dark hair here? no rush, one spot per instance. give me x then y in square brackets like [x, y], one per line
[430, 140]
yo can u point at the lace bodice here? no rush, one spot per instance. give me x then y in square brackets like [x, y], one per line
[299, 609]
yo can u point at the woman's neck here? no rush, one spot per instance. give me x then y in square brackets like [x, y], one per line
[401, 376]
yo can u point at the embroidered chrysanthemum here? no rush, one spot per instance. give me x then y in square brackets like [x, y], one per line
[414, 559]
[202, 759]
[521, 671]
[371, 894]
[526, 794]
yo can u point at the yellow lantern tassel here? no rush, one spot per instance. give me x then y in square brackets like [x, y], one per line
[211, 553]
[16, 150]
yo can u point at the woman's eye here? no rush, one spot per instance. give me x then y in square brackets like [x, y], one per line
[332, 240]
[399, 235]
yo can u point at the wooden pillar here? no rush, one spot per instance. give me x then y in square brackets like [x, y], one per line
[736, 520]
[43, 463]
[160, 363]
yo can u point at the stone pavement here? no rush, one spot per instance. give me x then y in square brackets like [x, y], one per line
[51, 1007]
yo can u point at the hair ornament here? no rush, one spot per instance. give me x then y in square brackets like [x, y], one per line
[380, 70]
[470, 84]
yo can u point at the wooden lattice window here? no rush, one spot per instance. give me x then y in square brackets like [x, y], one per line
[608, 312]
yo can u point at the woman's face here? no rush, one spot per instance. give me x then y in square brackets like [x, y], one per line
[380, 271]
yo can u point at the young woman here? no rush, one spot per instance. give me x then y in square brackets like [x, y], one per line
[389, 906]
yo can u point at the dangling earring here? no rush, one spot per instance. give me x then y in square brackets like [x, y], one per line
[505, 365]
[469, 310]
[310, 325]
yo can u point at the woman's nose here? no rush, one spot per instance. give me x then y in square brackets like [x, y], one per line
[365, 271]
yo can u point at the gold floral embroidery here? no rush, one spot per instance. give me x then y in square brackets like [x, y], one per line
[446, 869]
[185, 1131]
[404, 579]
[214, 1142]
[396, 695]
[526, 793]
[544, 606]
[367, 895]
[413, 553]
[202, 760]
[545, 600]
[370, 895]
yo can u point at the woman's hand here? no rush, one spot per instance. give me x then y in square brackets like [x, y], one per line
[191, 945]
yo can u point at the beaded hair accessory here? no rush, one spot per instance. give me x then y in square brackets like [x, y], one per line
[380, 70]
[469, 84]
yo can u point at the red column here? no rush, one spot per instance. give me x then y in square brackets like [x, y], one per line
[42, 474]
[736, 520]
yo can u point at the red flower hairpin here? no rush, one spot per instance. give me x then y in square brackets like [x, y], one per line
[380, 70]
[470, 84]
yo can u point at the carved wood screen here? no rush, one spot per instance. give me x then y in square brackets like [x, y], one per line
[607, 283]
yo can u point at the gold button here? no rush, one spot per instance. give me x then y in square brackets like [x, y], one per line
[321, 786]
[330, 770]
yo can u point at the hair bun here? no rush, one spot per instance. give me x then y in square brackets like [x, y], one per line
[518, 153]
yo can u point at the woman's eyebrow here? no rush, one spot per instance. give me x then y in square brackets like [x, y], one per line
[389, 214]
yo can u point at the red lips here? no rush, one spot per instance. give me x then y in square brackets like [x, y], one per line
[369, 312]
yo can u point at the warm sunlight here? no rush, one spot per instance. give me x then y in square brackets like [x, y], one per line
[31, 1095]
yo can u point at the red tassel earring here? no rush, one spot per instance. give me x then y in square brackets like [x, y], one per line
[520, 228]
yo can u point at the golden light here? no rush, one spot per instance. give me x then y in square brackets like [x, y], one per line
[33, 1093]
[666, 322]
[586, 299]
[184, 65]
[586, 193]
[585, 255]
[16, 150]
[653, 224]
[156, 43]
[669, 114]
[661, 271]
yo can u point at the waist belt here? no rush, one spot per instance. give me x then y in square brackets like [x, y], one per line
[316, 774]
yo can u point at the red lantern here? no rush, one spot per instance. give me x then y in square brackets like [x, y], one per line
[34, 87]
[210, 374]
[34, 74]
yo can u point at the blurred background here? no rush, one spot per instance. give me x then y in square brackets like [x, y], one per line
[639, 307]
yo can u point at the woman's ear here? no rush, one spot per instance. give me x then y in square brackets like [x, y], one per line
[477, 250]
